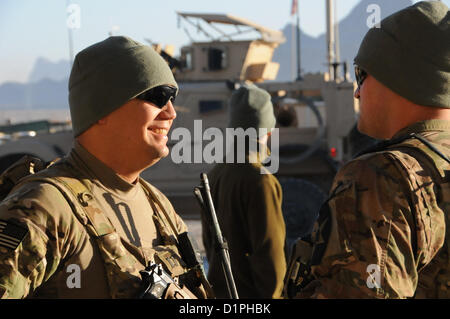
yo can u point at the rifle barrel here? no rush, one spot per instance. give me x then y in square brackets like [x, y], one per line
[225, 258]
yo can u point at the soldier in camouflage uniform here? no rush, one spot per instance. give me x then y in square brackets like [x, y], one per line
[383, 232]
[85, 226]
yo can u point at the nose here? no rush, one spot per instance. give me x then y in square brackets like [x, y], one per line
[356, 94]
[169, 111]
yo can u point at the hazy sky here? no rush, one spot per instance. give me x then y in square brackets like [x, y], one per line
[30, 28]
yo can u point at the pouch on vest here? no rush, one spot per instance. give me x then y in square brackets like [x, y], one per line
[25, 166]
[424, 151]
[299, 268]
[194, 276]
[120, 265]
[432, 275]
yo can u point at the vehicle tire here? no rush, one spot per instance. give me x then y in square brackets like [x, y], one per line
[301, 204]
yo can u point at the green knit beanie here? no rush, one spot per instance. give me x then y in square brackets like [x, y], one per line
[108, 74]
[410, 53]
[251, 106]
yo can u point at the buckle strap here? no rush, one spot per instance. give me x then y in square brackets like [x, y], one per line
[101, 224]
[162, 216]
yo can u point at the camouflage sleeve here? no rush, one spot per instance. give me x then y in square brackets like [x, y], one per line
[36, 234]
[370, 247]
[267, 234]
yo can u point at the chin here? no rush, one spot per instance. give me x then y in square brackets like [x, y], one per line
[164, 152]
[157, 155]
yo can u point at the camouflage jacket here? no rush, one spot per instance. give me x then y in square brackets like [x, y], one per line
[52, 247]
[382, 232]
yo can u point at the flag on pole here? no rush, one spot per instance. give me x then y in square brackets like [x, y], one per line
[294, 7]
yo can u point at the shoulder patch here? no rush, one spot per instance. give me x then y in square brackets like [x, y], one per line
[11, 235]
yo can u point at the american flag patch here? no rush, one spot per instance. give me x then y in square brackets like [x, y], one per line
[11, 235]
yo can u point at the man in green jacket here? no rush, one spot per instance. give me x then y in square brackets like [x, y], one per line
[248, 204]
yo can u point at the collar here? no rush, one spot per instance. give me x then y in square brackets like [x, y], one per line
[260, 156]
[255, 157]
[424, 126]
[103, 174]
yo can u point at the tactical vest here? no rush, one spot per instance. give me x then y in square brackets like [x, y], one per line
[120, 264]
[434, 276]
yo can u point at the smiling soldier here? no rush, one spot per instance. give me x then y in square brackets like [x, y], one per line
[91, 209]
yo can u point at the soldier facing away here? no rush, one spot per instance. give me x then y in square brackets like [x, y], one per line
[384, 230]
[248, 205]
[86, 226]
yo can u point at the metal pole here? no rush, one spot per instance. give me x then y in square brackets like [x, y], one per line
[299, 70]
[292, 51]
[330, 37]
[69, 30]
[337, 40]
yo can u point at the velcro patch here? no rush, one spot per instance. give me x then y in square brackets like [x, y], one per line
[11, 235]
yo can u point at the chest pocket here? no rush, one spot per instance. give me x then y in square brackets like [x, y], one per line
[432, 217]
[121, 266]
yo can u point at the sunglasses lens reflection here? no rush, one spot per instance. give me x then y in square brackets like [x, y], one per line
[159, 95]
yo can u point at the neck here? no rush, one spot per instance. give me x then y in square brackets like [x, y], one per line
[130, 175]
[113, 159]
[409, 113]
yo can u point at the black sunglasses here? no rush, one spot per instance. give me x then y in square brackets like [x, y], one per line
[160, 95]
[360, 75]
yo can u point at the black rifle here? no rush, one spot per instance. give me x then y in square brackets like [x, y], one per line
[203, 195]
